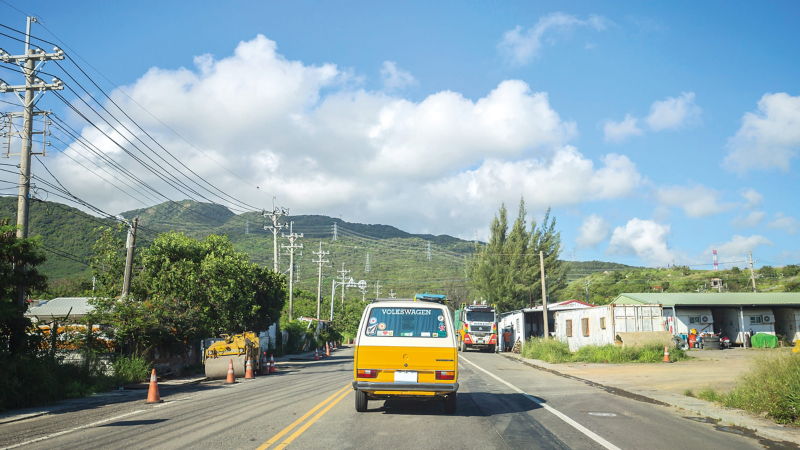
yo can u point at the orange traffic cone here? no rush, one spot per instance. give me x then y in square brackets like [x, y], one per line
[152, 394]
[271, 364]
[231, 376]
[264, 364]
[327, 349]
[248, 371]
[666, 354]
[316, 354]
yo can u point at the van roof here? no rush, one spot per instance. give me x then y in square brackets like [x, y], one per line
[404, 303]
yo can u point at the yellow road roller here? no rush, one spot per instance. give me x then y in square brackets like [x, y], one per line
[238, 348]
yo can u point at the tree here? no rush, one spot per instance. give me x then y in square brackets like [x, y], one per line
[188, 289]
[506, 270]
[790, 270]
[19, 259]
[767, 271]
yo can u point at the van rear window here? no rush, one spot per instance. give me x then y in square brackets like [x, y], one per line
[406, 322]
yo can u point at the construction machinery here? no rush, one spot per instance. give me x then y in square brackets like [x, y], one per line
[476, 326]
[239, 347]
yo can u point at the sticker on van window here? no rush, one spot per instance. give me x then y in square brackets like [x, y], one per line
[371, 330]
[386, 333]
[381, 326]
[435, 334]
[441, 318]
[425, 334]
[407, 334]
[373, 321]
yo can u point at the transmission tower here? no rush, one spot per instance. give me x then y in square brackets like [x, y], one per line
[274, 216]
[292, 236]
[334, 231]
[366, 266]
[247, 226]
[320, 261]
[429, 251]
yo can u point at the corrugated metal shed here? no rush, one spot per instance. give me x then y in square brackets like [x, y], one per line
[711, 299]
[60, 307]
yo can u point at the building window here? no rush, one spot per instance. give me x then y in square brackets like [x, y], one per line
[755, 320]
[569, 328]
[585, 326]
[602, 323]
[694, 320]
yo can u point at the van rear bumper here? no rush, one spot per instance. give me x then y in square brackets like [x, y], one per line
[419, 387]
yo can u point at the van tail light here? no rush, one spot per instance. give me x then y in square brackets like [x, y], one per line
[445, 375]
[367, 373]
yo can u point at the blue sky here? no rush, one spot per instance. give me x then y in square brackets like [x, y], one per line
[655, 131]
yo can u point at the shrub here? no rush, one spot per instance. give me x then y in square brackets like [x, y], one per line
[132, 369]
[553, 351]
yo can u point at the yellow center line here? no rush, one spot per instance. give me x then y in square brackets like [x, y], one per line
[310, 422]
[275, 438]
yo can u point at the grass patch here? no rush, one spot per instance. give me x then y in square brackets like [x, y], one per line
[688, 393]
[132, 369]
[771, 387]
[553, 351]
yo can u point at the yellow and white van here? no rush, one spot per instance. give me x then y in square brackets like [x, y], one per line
[406, 348]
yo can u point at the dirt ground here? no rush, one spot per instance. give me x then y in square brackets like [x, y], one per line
[715, 368]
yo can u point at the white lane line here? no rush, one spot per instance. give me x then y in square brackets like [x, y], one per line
[61, 433]
[549, 408]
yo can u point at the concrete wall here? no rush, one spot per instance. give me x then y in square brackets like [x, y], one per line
[514, 321]
[787, 323]
[600, 332]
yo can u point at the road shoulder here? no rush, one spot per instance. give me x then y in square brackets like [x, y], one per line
[703, 408]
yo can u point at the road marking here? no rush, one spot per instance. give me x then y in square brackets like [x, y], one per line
[549, 408]
[305, 416]
[61, 433]
[310, 422]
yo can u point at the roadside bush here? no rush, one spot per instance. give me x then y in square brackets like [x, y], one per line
[297, 336]
[772, 386]
[30, 381]
[132, 369]
[552, 351]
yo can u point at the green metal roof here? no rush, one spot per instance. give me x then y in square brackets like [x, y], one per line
[711, 299]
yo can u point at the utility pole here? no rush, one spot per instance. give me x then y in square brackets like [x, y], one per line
[752, 273]
[392, 294]
[344, 279]
[366, 266]
[320, 261]
[544, 298]
[126, 283]
[275, 215]
[27, 62]
[291, 247]
[587, 290]
[246, 226]
[429, 250]
[378, 287]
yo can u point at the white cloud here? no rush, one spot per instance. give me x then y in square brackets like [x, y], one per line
[521, 47]
[738, 247]
[593, 231]
[590, 46]
[696, 201]
[619, 131]
[310, 136]
[768, 138]
[673, 112]
[753, 197]
[394, 78]
[752, 220]
[643, 238]
[785, 223]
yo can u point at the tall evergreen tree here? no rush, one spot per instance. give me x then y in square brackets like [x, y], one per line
[506, 270]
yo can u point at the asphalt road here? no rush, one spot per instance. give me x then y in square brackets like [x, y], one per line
[501, 404]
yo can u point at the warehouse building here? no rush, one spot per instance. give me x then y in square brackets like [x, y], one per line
[736, 315]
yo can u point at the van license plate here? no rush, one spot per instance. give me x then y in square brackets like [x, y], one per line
[405, 377]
